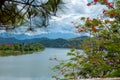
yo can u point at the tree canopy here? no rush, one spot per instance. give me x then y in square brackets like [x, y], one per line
[16, 12]
[101, 52]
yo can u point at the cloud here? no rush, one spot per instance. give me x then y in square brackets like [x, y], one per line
[77, 6]
[75, 10]
[62, 23]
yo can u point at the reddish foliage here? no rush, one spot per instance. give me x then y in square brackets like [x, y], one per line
[94, 28]
[88, 4]
[95, 1]
[76, 26]
[110, 5]
[88, 19]
[104, 11]
[106, 1]
[112, 15]
[80, 30]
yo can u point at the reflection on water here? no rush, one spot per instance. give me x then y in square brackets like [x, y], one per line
[30, 67]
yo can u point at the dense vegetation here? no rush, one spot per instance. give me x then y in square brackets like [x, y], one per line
[101, 53]
[19, 49]
[63, 43]
[14, 13]
[54, 43]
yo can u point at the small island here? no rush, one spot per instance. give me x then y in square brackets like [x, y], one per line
[19, 49]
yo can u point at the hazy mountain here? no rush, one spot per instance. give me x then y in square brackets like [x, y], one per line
[57, 43]
[47, 35]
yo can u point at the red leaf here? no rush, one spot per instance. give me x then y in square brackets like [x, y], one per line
[88, 19]
[112, 15]
[88, 4]
[80, 30]
[94, 28]
[77, 26]
[110, 5]
[104, 11]
[95, 1]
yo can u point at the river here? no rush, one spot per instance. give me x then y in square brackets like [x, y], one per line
[35, 66]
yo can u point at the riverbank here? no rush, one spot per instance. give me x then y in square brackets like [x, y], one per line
[15, 53]
[19, 49]
[35, 66]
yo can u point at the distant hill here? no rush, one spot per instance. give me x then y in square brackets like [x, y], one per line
[55, 43]
[47, 35]
[75, 42]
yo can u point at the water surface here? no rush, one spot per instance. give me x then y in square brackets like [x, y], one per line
[35, 66]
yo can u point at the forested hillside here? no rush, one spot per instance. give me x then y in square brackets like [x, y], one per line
[55, 43]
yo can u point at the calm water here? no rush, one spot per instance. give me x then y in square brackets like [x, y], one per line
[30, 67]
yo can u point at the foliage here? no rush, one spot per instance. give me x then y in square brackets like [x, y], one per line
[19, 49]
[101, 53]
[16, 12]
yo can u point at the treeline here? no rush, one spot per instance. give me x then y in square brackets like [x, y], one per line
[63, 43]
[54, 43]
[19, 49]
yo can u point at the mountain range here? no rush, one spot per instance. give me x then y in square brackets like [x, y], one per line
[47, 35]
[47, 42]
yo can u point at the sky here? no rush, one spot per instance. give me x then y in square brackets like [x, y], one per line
[73, 10]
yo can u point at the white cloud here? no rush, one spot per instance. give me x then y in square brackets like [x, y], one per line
[76, 6]
[73, 11]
